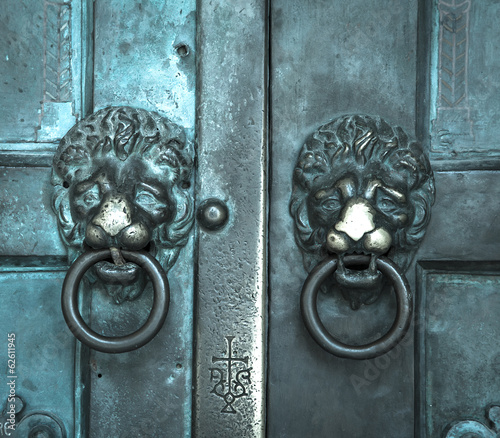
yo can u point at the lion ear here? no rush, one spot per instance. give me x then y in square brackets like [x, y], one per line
[70, 232]
[176, 233]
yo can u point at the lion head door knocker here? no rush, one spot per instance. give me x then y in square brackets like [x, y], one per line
[121, 182]
[362, 195]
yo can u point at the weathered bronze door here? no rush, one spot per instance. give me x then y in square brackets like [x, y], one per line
[248, 83]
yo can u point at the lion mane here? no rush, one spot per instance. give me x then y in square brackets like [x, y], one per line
[371, 147]
[124, 132]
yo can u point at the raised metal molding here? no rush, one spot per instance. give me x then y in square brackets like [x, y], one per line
[232, 160]
[425, 304]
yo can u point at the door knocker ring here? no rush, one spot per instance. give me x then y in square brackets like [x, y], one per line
[118, 344]
[321, 335]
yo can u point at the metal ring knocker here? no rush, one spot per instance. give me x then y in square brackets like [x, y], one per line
[119, 344]
[325, 339]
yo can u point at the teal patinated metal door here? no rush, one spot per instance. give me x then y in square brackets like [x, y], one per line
[240, 87]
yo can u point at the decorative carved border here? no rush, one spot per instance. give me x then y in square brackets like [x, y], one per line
[453, 110]
[57, 53]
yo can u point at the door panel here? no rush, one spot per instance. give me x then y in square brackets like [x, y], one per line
[40, 101]
[329, 59]
[229, 398]
[49, 53]
[459, 361]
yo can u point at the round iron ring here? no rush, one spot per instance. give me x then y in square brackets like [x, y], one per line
[118, 344]
[321, 335]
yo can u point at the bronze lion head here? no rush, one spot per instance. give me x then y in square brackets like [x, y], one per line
[121, 180]
[361, 186]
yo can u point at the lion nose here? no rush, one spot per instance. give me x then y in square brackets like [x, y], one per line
[356, 219]
[135, 236]
[114, 215]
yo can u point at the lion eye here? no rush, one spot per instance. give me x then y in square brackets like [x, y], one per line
[331, 204]
[146, 199]
[388, 205]
[89, 198]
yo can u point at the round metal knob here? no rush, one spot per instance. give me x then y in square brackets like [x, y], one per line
[212, 214]
[119, 344]
[321, 335]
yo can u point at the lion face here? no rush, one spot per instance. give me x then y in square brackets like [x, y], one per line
[121, 179]
[361, 187]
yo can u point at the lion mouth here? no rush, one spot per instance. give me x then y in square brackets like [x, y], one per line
[358, 277]
[122, 280]
[124, 274]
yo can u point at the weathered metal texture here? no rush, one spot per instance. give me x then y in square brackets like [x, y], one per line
[145, 57]
[329, 59]
[43, 350]
[45, 75]
[457, 365]
[151, 62]
[462, 226]
[229, 398]
[457, 312]
[27, 227]
[459, 359]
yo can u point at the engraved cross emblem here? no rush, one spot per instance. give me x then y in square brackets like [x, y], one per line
[230, 383]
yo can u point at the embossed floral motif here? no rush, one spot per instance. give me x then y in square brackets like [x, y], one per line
[230, 383]
[476, 429]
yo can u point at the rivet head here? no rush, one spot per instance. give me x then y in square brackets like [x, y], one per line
[212, 214]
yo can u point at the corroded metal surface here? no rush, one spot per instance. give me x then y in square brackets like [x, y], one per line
[231, 281]
[138, 63]
[327, 59]
[476, 429]
[122, 179]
